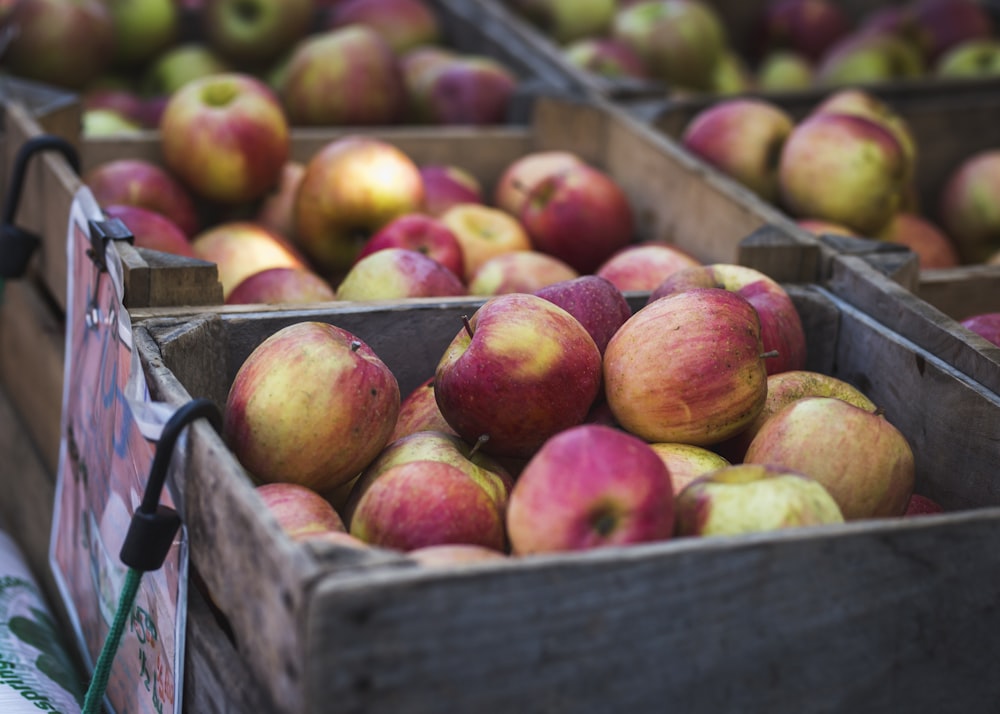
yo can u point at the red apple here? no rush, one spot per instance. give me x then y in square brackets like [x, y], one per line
[579, 215]
[605, 57]
[398, 273]
[242, 248]
[301, 512]
[484, 232]
[819, 227]
[520, 371]
[643, 266]
[419, 412]
[151, 229]
[594, 301]
[587, 487]
[809, 27]
[300, 400]
[468, 89]
[933, 247]
[686, 462]
[422, 233]
[276, 210]
[352, 187]
[942, 24]
[781, 328]
[520, 271]
[281, 286]
[968, 206]
[859, 456]
[255, 33]
[687, 368]
[922, 506]
[404, 24]
[521, 175]
[753, 498]
[137, 182]
[226, 137]
[448, 185]
[986, 325]
[125, 101]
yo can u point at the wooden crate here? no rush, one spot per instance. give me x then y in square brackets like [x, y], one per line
[872, 616]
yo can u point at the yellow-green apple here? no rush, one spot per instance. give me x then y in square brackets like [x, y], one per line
[686, 462]
[520, 271]
[753, 498]
[732, 75]
[984, 324]
[122, 99]
[422, 233]
[300, 511]
[605, 57]
[580, 215]
[568, 20]
[484, 232]
[143, 29]
[643, 266]
[398, 273]
[107, 122]
[807, 27]
[784, 70]
[520, 176]
[276, 210]
[301, 399]
[414, 504]
[863, 460]
[869, 58]
[419, 412]
[932, 245]
[970, 206]
[66, 43]
[452, 555]
[242, 248]
[942, 24]
[138, 182]
[255, 33]
[920, 505]
[680, 41]
[781, 328]
[590, 486]
[404, 24]
[843, 168]
[972, 58]
[687, 368]
[281, 286]
[321, 86]
[467, 89]
[820, 227]
[352, 187]
[226, 137]
[521, 370]
[151, 229]
[783, 388]
[743, 138]
[446, 185]
[180, 64]
[594, 301]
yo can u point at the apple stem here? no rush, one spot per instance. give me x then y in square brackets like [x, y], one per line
[468, 325]
[770, 353]
[355, 345]
[879, 411]
[483, 438]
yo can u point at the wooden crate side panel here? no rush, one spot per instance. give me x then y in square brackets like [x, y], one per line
[961, 292]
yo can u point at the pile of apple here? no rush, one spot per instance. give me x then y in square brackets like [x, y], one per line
[350, 62]
[560, 420]
[850, 167]
[796, 44]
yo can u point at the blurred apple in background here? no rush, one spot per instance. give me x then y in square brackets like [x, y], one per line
[933, 247]
[143, 29]
[687, 368]
[594, 301]
[742, 138]
[484, 232]
[820, 227]
[320, 84]
[784, 70]
[968, 203]
[397, 273]
[422, 233]
[151, 229]
[107, 122]
[66, 43]
[587, 487]
[943, 24]
[643, 266]
[255, 33]
[519, 271]
[281, 286]
[605, 57]
[419, 412]
[986, 325]
[123, 100]
[226, 137]
[276, 210]
[404, 24]
[686, 462]
[579, 215]
[452, 555]
[807, 27]
[521, 370]
[446, 185]
[137, 182]
[520, 176]
[467, 89]
[972, 58]
[300, 399]
[178, 65]
[859, 456]
[242, 248]
[922, 506]
[301, 512]
[753, 498]
[568, 20]
[353, 186]
[866, 59]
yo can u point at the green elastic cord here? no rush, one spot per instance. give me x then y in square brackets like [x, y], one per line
[102, 672]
